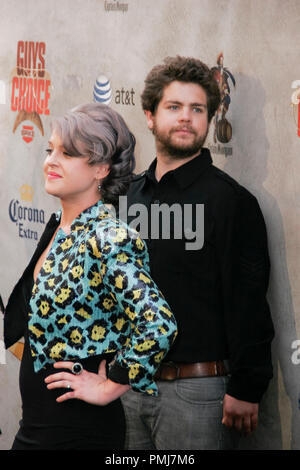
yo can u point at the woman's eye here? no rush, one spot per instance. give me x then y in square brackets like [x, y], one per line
[49, 151]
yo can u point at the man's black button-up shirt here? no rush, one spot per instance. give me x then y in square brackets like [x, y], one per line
[216, 282]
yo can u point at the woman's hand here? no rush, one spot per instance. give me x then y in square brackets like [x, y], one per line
[87, 386]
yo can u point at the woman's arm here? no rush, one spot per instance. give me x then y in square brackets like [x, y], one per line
[151, 326]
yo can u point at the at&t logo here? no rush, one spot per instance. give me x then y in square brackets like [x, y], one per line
[103, 93]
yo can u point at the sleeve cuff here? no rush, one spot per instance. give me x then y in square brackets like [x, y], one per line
[245, 389]
[118, 374]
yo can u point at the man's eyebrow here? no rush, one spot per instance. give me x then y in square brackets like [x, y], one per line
[203, 105]
[173, 102]
[200, 105]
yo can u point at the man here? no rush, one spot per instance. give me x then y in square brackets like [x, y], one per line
[212, 380]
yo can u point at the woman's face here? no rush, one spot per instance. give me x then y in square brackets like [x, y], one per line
[71, 178]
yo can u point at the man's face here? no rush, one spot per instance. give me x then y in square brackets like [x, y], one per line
[180, 122]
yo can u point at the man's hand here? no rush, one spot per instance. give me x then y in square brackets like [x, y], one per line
[242, 415]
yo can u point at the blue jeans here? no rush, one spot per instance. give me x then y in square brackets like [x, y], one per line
[186, 415]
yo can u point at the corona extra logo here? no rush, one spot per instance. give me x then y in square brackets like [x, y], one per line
[26, 218]
[26, 193]
[295, 103]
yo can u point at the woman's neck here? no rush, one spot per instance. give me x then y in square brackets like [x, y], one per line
[71, 210]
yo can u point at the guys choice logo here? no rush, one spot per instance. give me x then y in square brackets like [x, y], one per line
[30, 88]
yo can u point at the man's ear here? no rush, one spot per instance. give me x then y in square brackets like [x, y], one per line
[150, 119]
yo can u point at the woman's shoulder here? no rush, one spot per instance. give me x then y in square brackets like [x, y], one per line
[112, 234]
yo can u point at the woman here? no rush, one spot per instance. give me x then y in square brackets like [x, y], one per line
[86, 299]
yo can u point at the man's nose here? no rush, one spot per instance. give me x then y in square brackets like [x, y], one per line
[185, 114]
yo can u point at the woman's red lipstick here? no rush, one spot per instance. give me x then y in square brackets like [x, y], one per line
[53, 175]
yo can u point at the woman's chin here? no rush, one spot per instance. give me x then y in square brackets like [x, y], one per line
[51, 191]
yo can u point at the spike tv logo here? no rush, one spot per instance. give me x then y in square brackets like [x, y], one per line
[222, 127]
[30, 91]
[27, 133]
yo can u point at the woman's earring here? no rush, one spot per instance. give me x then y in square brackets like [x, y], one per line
[99, 187]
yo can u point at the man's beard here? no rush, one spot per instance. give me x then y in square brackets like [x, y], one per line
[181, 149]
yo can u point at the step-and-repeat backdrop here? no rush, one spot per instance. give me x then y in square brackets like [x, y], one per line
[55, 55]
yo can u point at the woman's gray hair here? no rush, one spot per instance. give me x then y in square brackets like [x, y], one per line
[97, 131]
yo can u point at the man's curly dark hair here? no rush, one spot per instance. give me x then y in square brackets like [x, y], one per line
[182, 69]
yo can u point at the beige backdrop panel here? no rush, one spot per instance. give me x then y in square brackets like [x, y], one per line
[122, 41]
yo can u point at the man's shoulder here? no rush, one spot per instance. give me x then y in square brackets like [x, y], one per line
[138, 177]
[228, 184]
[224, 179]
[137, 182]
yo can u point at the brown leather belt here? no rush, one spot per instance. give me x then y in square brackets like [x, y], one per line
[177, 370]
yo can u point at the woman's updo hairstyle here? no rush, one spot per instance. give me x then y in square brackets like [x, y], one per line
[97, 131]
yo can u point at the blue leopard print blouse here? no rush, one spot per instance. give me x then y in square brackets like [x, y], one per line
[94, 295]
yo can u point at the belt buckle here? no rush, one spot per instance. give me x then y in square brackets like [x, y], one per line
[172, 365]
[219, 370]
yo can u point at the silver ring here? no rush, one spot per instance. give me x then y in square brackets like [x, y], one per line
[77, 368]
[68, 386]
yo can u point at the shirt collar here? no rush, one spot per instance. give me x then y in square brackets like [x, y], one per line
[186, 173]
[93, 212]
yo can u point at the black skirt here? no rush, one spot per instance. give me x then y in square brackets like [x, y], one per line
[70, 425]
